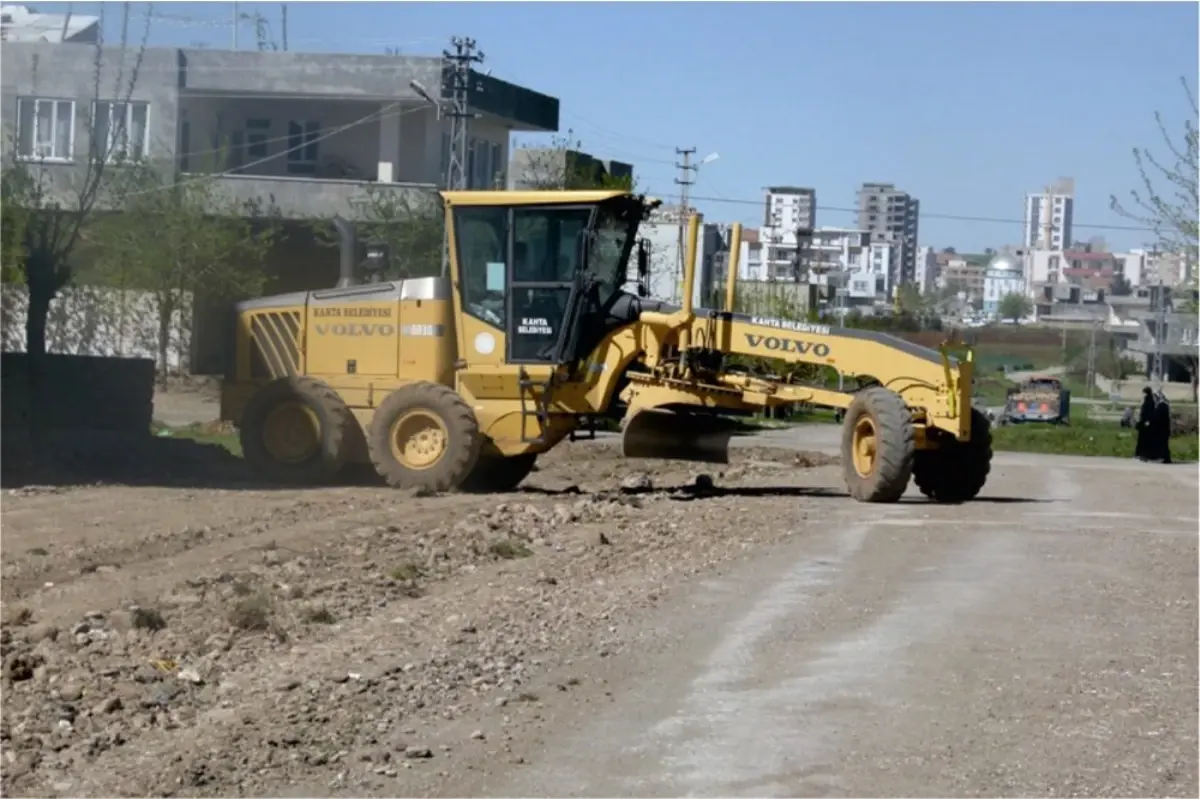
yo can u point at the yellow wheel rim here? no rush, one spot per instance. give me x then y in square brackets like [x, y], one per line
[292, 432]
[419, 439]
[865, 446]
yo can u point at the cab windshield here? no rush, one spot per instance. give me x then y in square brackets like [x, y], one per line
[616, 224]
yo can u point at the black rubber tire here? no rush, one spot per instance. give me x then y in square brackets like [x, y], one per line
[338, 427]
[957, 471]
[498, 474]
[462, 429]
[895, 446]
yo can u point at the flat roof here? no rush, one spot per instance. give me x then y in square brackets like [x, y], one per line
[565, 197]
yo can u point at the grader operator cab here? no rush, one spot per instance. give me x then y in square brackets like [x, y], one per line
[461, 381]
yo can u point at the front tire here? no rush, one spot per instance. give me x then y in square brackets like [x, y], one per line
[296, 430]
[424, 435]
[957, 471]
[877, 446]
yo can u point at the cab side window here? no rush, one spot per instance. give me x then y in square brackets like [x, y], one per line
[546, 243]
[481, 235]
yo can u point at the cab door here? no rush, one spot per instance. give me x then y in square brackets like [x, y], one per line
[543, 270]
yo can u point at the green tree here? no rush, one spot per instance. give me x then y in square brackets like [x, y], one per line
[565, 165]
[410, 223]
[1015, 307]
[177, 240]
[50, 211]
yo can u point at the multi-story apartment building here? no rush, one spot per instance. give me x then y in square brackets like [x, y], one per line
[305, 133]
[965, 276]
[926, 270]
[892, 216]
[788, 221]
[1052, 210]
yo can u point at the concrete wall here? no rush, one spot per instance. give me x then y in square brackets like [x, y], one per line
[98, 322]
[79, 392]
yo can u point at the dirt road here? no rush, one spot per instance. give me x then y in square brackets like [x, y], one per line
[605, 632]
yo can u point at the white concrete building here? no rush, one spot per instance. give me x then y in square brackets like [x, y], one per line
[1054, 207]
[925, 271]
[789, 218]
[22, 24]
[848, 258]
[1005, 275]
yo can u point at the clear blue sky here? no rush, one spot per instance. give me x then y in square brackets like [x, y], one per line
[967, 106]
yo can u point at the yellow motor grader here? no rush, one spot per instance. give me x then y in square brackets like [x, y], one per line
[541, 328]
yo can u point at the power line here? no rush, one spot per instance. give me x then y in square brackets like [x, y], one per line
[926, 215]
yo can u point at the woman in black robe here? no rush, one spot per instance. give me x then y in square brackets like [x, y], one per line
[1144, 450]
[1162, 428]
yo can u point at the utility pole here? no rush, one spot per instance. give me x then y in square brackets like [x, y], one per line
[236, 20]
[283, 23]
[1091, 365]
[687, 171]
[1160, 322]
[455, 103]
[456, 92]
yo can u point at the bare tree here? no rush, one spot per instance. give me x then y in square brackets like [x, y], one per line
[51, 219]
[1168, 202]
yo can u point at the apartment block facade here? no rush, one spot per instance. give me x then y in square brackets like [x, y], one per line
[790, 216]
[304, 133]
[892, 216]
[1050, 213]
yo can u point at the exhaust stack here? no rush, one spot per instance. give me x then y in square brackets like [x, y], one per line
[348, 243]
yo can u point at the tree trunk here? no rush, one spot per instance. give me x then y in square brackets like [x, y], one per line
[35, 321]
[35, 348]
[166, 309]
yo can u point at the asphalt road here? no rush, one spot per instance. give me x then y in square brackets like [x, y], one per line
[1039, 641]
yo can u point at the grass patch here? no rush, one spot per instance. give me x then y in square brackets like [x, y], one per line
[147, 619]
[1084, 437]
[507, 549]
[252, 613]
[215, 433]
[406, 572]
[319, 615]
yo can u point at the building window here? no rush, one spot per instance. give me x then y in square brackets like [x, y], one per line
[121, 129]
[302, 147]
[46, 129]
[258, 133]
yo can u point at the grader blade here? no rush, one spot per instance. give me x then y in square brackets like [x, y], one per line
[669, 435]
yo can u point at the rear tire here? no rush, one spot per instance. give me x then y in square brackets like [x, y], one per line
[297, 430]
[498, 474]
[424, 435]
[877, 446]
[957, 471]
